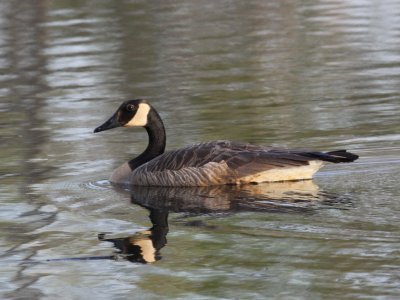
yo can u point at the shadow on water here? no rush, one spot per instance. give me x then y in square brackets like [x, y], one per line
[217, 201]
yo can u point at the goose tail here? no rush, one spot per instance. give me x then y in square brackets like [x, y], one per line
[339, 156]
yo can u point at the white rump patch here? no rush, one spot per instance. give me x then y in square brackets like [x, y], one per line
[284, 174]
[140, 118]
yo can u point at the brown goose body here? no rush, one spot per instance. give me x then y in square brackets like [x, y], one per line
[210, 163]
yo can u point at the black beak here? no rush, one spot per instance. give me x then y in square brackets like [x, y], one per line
[109, 124]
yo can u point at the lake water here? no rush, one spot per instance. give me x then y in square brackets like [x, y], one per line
[323, 75]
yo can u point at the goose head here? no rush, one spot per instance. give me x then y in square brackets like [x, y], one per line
[129, 113]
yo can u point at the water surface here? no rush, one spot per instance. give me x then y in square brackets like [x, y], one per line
[321, 75]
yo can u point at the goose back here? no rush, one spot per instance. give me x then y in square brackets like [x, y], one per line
[224, 162]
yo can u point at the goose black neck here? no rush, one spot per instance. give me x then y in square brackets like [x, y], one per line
[156, 131]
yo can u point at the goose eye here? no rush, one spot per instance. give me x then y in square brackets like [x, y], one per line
[130, 107]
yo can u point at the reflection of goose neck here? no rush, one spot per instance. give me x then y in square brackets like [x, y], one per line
[157, 140]
[159, 231]
[144, 246]
[159, 218]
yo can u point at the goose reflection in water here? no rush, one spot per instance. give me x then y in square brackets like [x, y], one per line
[145, 246]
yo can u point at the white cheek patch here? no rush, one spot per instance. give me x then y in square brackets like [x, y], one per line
[140, 118]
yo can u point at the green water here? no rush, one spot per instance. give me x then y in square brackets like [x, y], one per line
[321, 75]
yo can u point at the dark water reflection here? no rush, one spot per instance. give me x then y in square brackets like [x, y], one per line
[282, 197]
[321, 75]
[269, 197]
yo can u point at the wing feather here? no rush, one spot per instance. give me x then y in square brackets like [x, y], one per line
[220, 162]
[236, 155]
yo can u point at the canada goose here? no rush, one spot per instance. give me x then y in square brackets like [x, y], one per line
[209, 163]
